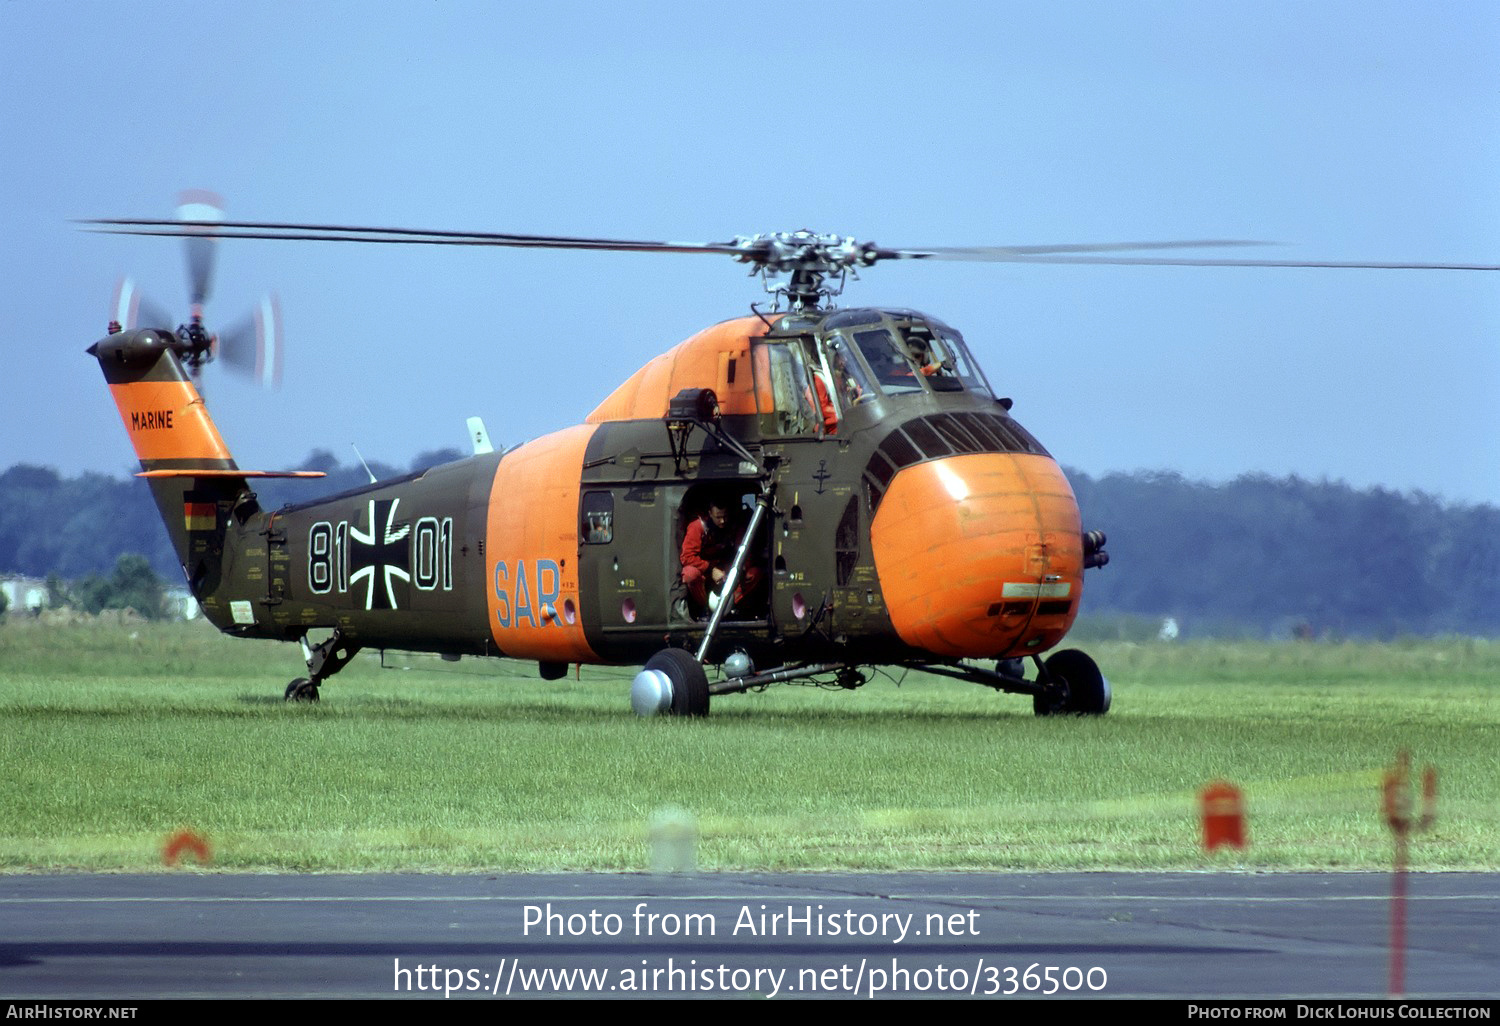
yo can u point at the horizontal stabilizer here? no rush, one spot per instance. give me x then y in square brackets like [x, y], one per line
[231, 473]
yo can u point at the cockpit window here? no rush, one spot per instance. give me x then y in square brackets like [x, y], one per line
[851, 382]
[905, 358]
[792, 400]
[962, 364]
[933, 358]
[885, 356]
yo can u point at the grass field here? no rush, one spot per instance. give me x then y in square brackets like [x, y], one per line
[117, 736]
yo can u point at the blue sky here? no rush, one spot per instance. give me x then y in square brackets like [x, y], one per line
[1344, 130]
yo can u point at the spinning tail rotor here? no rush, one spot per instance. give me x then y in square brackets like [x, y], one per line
[251, 347]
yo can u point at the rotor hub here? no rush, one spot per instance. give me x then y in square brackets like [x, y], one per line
[817, 264]
[786, 252]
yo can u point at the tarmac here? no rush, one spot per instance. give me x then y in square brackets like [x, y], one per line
[199, 934]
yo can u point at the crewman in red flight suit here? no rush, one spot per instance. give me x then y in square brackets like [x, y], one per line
[825, 406]
[708, 552]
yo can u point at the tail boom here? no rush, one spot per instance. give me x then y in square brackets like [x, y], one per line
[216, 526]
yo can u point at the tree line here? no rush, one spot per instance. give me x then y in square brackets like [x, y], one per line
[1257, 554]
[1288, 555]
[99, 542]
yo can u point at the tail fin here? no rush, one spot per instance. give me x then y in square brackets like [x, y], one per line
[161, 408]
[172, 433]
[197, 485]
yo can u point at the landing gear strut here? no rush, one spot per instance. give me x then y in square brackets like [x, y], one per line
[323, 660]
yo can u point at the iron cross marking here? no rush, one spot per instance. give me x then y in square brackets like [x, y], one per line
[380, 556]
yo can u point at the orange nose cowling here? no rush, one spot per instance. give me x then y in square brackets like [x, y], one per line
[980, 556]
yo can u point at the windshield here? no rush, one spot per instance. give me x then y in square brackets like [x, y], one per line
[851, 382]
[956, 358]
[925, 352]
[885, 356]
[932, 357]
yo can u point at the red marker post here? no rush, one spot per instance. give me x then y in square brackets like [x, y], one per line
[186, 841]
[1398, 815]
[1223, 807]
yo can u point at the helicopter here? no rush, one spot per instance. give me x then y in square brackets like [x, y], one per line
[868, 497]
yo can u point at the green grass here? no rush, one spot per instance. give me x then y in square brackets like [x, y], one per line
[115, 737]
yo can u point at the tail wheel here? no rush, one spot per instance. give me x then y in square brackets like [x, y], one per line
[672, 682]
[1075, 686]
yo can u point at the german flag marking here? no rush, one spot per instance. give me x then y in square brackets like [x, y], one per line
[200, 516]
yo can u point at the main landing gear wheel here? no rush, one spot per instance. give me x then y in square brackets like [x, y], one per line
[673, 682]
[301, 690]
[1075, 686]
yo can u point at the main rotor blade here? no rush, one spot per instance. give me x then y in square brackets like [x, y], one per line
[752, 250]
[413, 236]
[410, 236]
[1375, 265]
[348, 233]
[1009, 253]
[1081, 254]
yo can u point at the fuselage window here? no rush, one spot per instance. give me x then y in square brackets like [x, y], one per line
[598, 518]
